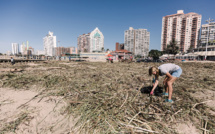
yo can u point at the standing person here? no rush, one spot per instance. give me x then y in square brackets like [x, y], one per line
[172, 72]
[111, 59]
[12, 61]
[131, 58]
[59, 58]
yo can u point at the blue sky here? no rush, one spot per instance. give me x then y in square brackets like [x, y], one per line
[30, 20]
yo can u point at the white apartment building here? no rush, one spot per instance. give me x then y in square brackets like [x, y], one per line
[184, 28]
[91, 42]
[137, 41]
[49, 43]
[22, 48]
[208, 34]
[15, 48]
[96, 40]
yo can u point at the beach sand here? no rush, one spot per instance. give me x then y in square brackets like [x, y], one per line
[39, 115]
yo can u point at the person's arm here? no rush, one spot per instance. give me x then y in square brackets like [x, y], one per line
[155, 85]
[168, 75]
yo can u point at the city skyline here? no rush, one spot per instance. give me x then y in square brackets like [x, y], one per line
[31, 20]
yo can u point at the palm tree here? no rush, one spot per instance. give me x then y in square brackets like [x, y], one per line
[172, 48]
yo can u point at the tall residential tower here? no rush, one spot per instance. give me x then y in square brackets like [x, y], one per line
[84, 43]
[137, 41]
[208, 34]
[49, 43]
[184, 28]
[15, 48]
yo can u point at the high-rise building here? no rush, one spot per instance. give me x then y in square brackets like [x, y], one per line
[27, 45]
[22, 48]
[96, 40]
[208, 34]
[84, 43]
[15, 48]
[59, 51]
[49, 43]
[137, 41]
[91, 42]
[184, 28]
[25, 49]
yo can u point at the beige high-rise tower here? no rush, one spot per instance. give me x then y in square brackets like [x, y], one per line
[137, 41]
[184, 28]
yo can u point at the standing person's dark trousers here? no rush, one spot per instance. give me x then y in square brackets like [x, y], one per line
[12, 62]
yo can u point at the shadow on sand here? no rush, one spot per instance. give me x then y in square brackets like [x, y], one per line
[157, 92]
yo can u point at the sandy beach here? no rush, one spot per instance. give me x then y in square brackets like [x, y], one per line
[39, 98]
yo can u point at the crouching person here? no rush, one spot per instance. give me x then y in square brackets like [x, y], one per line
[172, 72]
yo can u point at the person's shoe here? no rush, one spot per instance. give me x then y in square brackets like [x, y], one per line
[165, 94]
[170, 101]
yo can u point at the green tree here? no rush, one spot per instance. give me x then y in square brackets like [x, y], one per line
[85, 50]
[172, 48]
[209, 42]
[155, 54]
[199, 43]
[190, 49]
[138, 56]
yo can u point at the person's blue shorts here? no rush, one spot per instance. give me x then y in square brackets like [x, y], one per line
[177, 73]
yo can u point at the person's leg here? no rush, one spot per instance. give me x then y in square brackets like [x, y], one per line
[169, 84]
[166, 86]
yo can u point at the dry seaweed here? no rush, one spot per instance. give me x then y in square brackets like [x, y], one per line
[107, 98]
